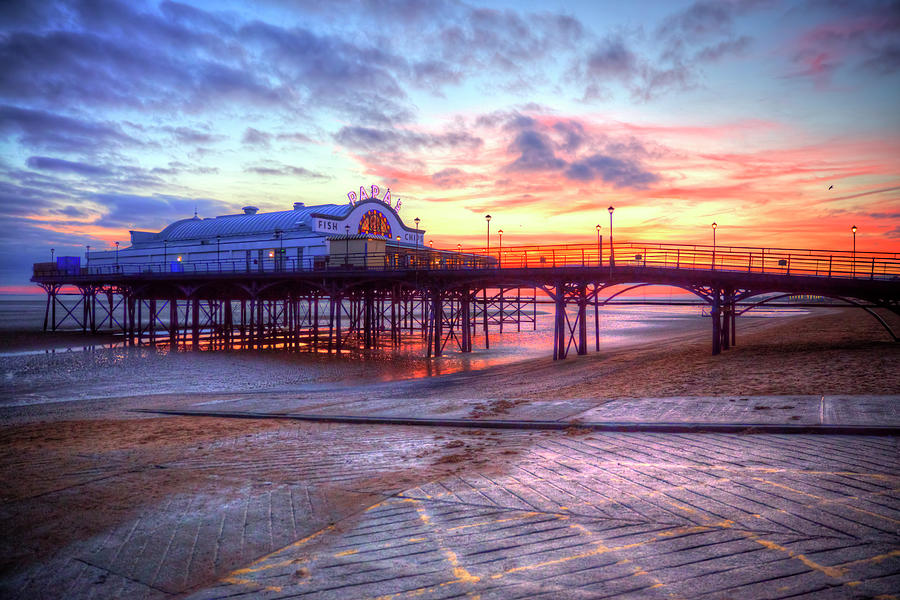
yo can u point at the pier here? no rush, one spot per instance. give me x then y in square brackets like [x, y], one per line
[444, 298]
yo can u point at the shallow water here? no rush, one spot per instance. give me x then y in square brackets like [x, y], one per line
[77, 371]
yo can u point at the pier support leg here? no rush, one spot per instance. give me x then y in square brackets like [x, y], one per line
[173, 323]
[465, 308]
[195, 324]
[582, 320]
[716, 314]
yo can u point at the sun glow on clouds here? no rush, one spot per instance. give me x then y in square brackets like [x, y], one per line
[130, 115]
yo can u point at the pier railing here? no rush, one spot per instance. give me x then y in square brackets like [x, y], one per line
[776, 261]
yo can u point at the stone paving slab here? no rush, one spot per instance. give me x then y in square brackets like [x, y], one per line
[796, 409]
[623, 515]
[848, 410]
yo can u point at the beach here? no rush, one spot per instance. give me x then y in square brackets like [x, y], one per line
[84, 472]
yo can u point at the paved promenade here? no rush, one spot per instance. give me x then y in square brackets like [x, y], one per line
[313, 510]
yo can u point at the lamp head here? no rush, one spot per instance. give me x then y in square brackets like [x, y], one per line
[853, 229]
[487, 218]
[598, 228]
[416, 221]
[610, 209]
[714, 225]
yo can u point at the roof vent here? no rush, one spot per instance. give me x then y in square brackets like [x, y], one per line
[298, 205]
[250, 210]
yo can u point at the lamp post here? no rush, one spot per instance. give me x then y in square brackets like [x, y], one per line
[500, 250]
[714, 246]
[346, 245]
[165, 253]
[459, 255]
[219, 253]
[87, 258]
[416, 221]
[52, 252]
[853, 229]
[612, 252]
[117, 257]
[599, 248]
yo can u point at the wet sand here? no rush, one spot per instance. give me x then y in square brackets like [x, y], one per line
[78, 471]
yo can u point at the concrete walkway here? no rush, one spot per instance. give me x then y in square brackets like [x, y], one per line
[338, 511]
[635, 515]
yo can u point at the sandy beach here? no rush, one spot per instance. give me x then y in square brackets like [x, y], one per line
[80, 466]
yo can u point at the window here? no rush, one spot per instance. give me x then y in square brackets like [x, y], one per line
[375, 223]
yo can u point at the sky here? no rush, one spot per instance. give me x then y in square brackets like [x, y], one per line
[777, 120]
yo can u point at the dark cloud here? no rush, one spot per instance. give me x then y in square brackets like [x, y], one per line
[296, 137]
[45, 130]
[859, 35]
[46, 163]
[448, 178]
[536, 153]
[611, 59]
[254, 137]
[370, 139]
[568, 148]
[616, 171]
[188, 135]
[728, 47]
[284, 170]
[701, 19]
[153, 212]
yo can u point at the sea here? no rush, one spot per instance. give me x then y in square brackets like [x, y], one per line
[77, 368]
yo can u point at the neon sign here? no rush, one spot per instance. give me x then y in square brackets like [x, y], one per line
[374, 223]
[372, 194]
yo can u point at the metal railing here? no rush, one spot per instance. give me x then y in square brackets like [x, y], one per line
[776, 261]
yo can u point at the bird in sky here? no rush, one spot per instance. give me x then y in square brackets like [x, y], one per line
[830, 186]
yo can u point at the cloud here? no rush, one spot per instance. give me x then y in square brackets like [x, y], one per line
[369, 139]
[149, 212]
[536, 153]
[569, 148]
[448, 178]
[701, 19]
[718, 51]
[46, 163]
[862, 35]
[254, 137]
[188, 135]
[45, 130]
[616, 171]
[284, 170]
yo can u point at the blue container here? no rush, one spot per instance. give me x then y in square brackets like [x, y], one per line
[176, 267]
[68, 265]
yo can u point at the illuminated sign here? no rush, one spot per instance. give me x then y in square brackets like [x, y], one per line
[372, 194]
[374, 223]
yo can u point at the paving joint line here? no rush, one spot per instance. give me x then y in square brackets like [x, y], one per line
[605, 426]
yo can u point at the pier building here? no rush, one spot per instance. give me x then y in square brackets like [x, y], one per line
[302, 238]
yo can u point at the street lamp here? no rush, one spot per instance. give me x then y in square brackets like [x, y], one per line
[488, 219]
[714, 246]
[219, 252]
[52, 252]
[853, 229]
[500, 251]
[347, 245]
[416, 221]
[87, 257]
[612, 252]
[599, 248]
[117, 257]
[165, 253]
